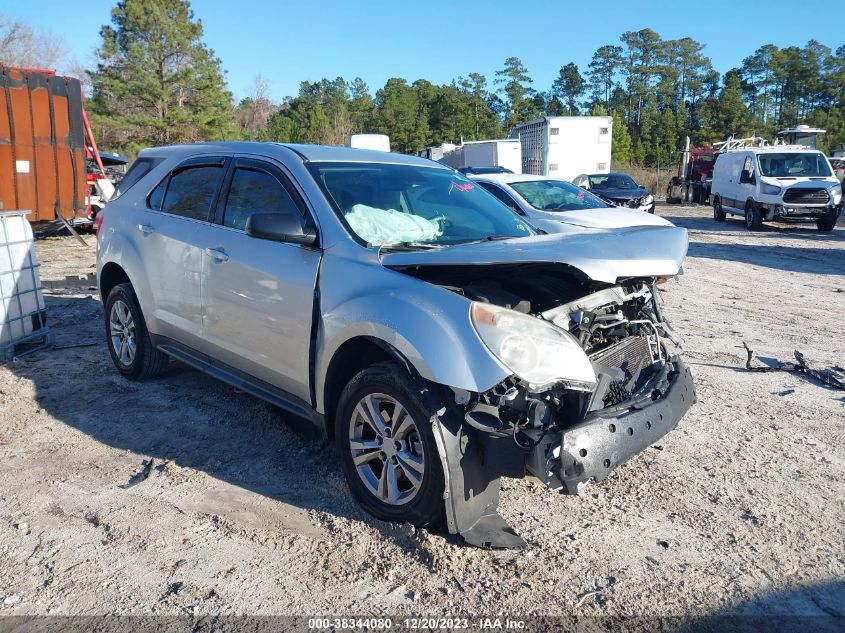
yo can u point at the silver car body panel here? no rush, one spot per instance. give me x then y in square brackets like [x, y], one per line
[423, 322]
[602, 255]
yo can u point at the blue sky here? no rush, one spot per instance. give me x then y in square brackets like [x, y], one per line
[289, 41]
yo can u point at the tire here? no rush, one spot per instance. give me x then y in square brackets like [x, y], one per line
[826, 225]
[131, 349]
[414, 460]
[753, 219]
[718, 213]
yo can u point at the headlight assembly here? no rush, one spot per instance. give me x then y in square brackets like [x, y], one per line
[836, 190]
[770, 190]
[648, 199]
[537, 351]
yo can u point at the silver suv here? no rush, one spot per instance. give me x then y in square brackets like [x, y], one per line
[439, 340]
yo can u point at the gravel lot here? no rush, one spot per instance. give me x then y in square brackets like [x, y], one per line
[740, 510]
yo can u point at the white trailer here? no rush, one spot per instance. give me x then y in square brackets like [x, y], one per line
[437, 152]
[565, 146]
[494, 153]
[497, 153]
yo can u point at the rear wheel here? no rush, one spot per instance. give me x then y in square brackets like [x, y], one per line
[387, 448]
[129, 342]
[827, 224]
[753, 218]
[718, 213]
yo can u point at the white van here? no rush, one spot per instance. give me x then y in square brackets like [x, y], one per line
[786, 183]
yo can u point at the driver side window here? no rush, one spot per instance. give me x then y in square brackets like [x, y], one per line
[254, 191]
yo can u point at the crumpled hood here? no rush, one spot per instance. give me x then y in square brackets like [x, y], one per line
[609, 218]
[642, 251]
[620, 194]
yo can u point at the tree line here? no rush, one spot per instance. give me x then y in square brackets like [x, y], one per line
[157, 82]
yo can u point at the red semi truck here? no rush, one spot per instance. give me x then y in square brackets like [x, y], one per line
[695, 175]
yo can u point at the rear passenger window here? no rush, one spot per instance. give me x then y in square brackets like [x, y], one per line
[254, 191]
[191, 191]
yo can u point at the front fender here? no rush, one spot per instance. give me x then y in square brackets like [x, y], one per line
[428, 325]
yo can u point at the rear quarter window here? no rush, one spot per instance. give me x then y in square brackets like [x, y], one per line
[140, 168]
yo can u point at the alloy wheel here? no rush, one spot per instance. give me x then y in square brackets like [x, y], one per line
[122, 332]
[387, 451]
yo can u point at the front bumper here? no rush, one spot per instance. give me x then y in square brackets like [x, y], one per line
[590, 450]
[474, 461]
[628, 204]
[787, 213]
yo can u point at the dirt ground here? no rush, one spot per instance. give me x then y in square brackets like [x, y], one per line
[739, 510]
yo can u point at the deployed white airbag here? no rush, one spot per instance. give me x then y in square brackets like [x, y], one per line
[388, 226]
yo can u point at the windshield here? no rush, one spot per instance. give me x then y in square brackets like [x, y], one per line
[793, 165]
[612, 181]
[384, 204]
[556, 195]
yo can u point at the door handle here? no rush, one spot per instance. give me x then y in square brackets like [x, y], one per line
[146, 229]
[217, 254]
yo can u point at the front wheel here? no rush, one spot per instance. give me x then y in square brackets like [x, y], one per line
[387, 449]
[718, 212]
[753, 218]
[827, 224]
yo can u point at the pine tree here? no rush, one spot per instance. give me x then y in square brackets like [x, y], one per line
[156, 82]
[515, 82]
[620, 149]
[568, 87]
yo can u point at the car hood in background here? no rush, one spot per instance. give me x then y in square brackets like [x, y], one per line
[643, 251]
[609, 218]
[620, 194]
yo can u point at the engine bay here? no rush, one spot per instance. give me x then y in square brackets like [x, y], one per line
[620, 328]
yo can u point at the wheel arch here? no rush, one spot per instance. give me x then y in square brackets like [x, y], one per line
[111, 275]
[353, 356]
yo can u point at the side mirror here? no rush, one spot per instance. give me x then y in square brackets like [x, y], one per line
[280, 227]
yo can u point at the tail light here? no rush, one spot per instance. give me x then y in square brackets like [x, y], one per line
[98, 221]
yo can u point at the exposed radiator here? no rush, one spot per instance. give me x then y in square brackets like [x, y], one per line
[621, 369]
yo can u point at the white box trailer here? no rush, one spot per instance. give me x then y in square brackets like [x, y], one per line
[494, 153]
[437, 152]
[565, 146]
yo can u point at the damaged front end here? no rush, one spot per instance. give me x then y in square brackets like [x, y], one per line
[594, 381]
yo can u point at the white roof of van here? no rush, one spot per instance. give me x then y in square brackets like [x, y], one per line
[774, 149]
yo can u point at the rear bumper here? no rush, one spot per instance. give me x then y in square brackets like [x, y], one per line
[606, 439]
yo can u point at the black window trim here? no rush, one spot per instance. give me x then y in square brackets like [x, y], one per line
[203, 160]
[494, 185]
[264, 164]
